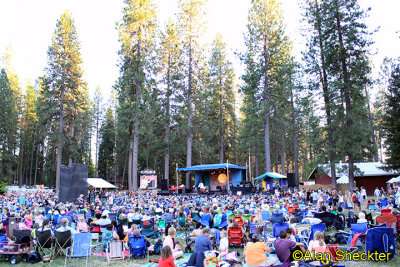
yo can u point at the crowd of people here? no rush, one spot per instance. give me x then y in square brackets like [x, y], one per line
[40, 210]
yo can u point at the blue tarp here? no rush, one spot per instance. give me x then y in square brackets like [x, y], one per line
[211, 167]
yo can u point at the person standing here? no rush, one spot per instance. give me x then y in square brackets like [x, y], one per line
[377, 194]
[363, 195]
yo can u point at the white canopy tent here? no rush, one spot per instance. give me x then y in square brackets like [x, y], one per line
[343, 180]
[100, 183]
[394, 180]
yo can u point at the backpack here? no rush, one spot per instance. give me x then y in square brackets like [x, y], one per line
[34, 257]
[137, 246]
[158, 246]
[23, 239]
[217, 220]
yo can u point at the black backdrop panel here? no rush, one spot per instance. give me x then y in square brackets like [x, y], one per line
[291, 180]
[71, 182]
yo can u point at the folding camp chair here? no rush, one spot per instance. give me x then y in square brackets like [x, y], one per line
[381, 240]
[277, 218]
[303, 232]
[195, 217]
[277, 227]
[390, 220]
[386, 211]
[224, 222]
[115, 250]
[384, 204]
[17, 233]
[266, 216]
[81, 247]
[317, 227]
[44, 241]
[148, 229]
[356, 237]
[62, 241]
[205, 220]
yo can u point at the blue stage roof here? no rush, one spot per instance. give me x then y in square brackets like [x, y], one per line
[212, 167]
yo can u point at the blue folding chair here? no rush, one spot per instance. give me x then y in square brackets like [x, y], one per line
[277, 227]
[317, 227]
[277, 218]
[224, 222]
[266, 216]
[80, 248]
[205, 220]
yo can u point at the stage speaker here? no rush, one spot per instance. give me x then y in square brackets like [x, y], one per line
[291, 180]
[71, 182]
[164, 184]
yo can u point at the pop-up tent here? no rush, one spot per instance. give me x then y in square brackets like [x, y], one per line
[343, 180]
[394, 180]
[100, 183]
[271, 180]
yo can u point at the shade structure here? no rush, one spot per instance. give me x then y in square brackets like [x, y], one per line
[343, 180]
[394, 180]
[212, 167]
[274, 175]
[99, 183]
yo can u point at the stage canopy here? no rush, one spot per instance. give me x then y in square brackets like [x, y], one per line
[273, 175]
[99, 183]
[208, 167]
[208, 174]
[343, 180]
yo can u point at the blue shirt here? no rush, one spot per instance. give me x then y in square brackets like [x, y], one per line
[202, 244]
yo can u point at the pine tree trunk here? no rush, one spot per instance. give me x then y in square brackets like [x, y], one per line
[256, 158]
[327, 100]
[96, 169]
[251, 167]
[36, 165]
[136, 123]
[21, 156]
[130, 166]
[60, 143]
[31, 167]
[266, 114]
[371, 123]
[282, 154]
[346, 83]
[189, 121]
[295, 152]
[221, 134]
[167, 123]
[70, 160]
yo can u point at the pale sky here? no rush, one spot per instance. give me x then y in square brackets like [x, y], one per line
[28, 26]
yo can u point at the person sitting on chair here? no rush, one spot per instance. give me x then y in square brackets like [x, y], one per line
[64, 226]
[255, 250]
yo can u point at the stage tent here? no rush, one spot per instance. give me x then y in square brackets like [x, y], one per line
[100, 183]
[271, 179]
[394, 180]
[208, 174]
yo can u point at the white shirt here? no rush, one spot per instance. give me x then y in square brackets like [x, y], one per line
[223, 244]
[377, 192]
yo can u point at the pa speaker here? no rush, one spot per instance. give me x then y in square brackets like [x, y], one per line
[164, 184]
[291, 180]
